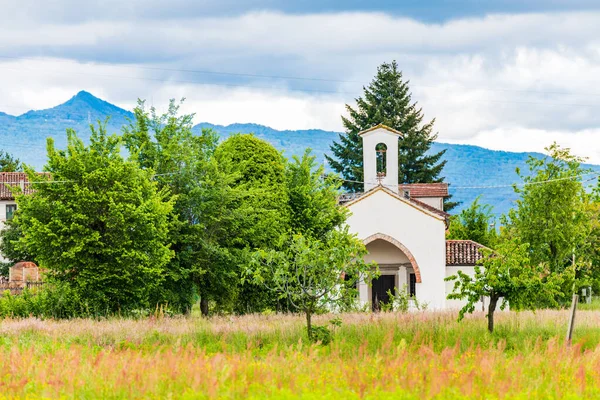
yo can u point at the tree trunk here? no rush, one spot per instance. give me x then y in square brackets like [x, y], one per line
[204, 306]
[308, 324]
[491, 308]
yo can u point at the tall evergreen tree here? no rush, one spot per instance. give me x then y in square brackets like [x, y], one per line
[387, 100]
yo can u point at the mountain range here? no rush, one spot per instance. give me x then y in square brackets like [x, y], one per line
[468, 168]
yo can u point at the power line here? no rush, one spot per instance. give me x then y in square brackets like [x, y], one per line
[303, 90]
[179, 81]
[195, 71]
[280, 77]
[452, 188]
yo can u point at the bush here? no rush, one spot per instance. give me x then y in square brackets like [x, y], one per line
[50, 302]
[320, 334]
[401, 301]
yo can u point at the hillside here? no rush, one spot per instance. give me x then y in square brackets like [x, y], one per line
[467, 166]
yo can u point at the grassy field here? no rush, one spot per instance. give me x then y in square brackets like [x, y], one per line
[407, 356]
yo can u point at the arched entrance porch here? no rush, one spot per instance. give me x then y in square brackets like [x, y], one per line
[398, 270]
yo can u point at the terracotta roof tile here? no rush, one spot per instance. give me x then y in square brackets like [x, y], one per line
[12, 179]
[463, 252]
[417, 190]
[429, 208]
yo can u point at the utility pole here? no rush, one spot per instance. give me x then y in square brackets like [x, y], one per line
[572, 318]
[574, 301]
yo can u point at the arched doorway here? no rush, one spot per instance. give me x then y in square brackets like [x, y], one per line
[398, 269]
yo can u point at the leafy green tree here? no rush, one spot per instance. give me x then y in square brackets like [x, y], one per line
[309, 272]
[313, 197]
[204, 203]
[216, 206]
[592, 251]
[506, 275]
[8, 163]
[260, 171]
[101, 228]
[260, 174]
[387, 100]
[550, 214]
[10, 248]
[474, 223]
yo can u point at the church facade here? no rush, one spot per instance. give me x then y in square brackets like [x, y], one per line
[404, 229]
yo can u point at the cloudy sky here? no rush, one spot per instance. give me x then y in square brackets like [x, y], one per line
[513, 75]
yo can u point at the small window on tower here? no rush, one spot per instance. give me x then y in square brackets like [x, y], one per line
[381, 150]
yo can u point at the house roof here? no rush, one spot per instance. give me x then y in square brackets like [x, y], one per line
[24, 264]
[425, 189]
[381, 126]
[356, 197]
[12, 179]
[430, 208]
[463, 252]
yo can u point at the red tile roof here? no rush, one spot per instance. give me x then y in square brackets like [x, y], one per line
[429, 208]
[417, 190]
[463, 252]
[12, 179]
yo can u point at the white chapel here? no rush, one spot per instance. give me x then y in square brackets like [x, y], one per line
[404, 229]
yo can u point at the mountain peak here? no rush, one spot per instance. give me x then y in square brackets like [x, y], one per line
[83, 107]
[83, 97]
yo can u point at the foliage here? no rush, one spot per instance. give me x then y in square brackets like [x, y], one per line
[10, 247]
[8, 163]
[474, 223]
[507, 275]
[204, 205]
[58, 300]
[258, 173]
[309, 272]
[552, 215]
[101, 229]
[313, 197]
[401, 301]
[387, 100]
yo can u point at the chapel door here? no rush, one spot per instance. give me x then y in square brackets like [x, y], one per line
[379, 290]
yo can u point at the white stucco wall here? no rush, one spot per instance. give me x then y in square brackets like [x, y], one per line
[370, 141]
[437, 202]
[423, 234]
[3, 204]
[458, 304]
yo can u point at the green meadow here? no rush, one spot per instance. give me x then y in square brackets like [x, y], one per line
[423, 355]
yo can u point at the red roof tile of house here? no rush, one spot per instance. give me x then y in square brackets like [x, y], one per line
[417, 190]
[12, 179]
[463, 252]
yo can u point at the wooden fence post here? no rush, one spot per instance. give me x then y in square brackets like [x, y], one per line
[572, 318]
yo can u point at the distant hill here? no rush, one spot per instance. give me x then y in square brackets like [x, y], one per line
[467, 166]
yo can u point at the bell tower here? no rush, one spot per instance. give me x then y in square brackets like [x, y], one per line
[380, 157]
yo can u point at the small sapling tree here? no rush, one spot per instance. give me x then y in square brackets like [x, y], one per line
[310, 272]
[506, 276]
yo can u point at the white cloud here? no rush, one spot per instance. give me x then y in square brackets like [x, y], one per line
[514, 82]
[585, 143]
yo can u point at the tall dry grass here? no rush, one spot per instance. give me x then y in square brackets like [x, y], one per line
[415, 355]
